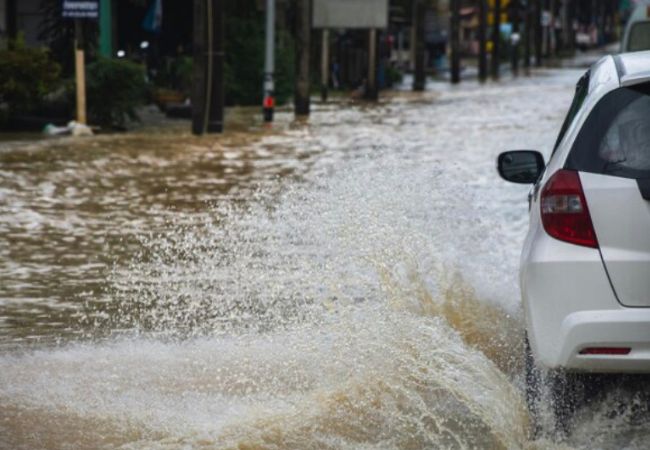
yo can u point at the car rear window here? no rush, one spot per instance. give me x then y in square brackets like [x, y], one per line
[639, 37]
[615, 139]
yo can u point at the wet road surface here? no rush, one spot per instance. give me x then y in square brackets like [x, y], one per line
[345, 282]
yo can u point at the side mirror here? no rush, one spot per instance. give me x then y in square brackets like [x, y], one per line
[521, 166]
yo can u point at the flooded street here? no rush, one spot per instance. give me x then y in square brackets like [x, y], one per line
[345, 282]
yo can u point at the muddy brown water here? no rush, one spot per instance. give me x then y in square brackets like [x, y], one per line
[348, 281]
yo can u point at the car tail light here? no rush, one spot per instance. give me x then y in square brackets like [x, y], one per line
[606, 351]
[564, 210]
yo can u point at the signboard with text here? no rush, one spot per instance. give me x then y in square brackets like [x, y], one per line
[350, 13]
[80, 9]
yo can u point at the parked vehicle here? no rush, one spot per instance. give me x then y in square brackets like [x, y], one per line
[637, 31]
[585, 265]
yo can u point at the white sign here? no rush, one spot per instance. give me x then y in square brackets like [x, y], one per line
[350, 14]
[80, 9]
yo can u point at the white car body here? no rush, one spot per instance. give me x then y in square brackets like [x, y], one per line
[577, 297]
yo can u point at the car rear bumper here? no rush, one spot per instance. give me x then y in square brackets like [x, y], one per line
[570, 305]
[608, 328]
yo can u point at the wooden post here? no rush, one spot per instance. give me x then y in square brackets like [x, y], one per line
[419, 78]
[303, 33]
[372, 92]
[80, 73]
[455, 44]
[482, 41]
[324, 64]
[496, 39]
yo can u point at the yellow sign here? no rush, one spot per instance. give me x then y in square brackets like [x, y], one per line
[504, 3]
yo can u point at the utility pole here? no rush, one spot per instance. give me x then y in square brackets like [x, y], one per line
[496, 39]
[552, 29]
[268, 104]
[516, 36]
[528, 34]
[216, 66]
[455, 44]
[419, 11]
[325, 63]
[482, 41]
[372, 93]
[564, 16]
[303, 32]
[80, 72]
[537, 25]
[207, 93]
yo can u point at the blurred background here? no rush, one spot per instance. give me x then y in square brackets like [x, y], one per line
[143, 51]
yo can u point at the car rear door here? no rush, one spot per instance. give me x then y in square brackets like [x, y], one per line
[612, 154]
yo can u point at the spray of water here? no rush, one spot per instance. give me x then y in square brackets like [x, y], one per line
[328, 317]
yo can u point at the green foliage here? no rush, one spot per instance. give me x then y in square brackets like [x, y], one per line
[182, 74]
[393, 76]
[115, 88]
[244, 70]
[176, 73]
[26, 76]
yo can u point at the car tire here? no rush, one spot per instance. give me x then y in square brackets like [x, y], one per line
[533, 388]
[567, 395]
[564, 392]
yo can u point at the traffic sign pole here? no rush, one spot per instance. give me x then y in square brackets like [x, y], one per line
[269, 63]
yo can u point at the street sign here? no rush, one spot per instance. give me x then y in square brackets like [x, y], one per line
[350, 13]
[80, 9]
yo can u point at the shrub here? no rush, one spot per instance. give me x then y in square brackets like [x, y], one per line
[393, 76]
[26, 76]
[115, 88]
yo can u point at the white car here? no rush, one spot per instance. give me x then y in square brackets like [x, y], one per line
[585, 265]
[637, 31]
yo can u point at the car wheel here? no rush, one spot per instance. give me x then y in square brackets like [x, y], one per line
[567, 395]
[562, 391]
[533, 388]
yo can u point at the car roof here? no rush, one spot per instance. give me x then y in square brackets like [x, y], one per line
[632, 68]
[608, 74]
